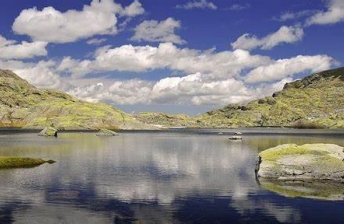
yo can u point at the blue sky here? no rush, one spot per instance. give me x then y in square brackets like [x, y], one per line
[172, 56]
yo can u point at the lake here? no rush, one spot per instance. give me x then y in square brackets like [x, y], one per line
[180, 176]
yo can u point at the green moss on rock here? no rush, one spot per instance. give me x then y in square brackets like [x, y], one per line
[310, 161]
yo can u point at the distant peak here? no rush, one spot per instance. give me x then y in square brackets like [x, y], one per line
[11, 79]
[317, 78]
[8, 73]
[332, 72]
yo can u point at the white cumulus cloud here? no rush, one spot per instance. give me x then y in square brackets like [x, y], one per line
[51, 25]
[334, 14]
[294, 15]
[155, 31]
[130, 92]
[200, 4]
[10, 49]
[134, 9]
[288, 67]
[284, 35]
[124, 92]
[205, 77]
[165, 56]
[193, 89]
[198, 89]
[42, 75]
[96, 41]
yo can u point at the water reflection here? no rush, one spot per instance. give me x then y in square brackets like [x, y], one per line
[282, 213]
[146, 177]
[321, 189]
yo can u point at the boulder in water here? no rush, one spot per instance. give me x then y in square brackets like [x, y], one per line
[106, 132]
[235, 138]
[310, 161]
[48, 131]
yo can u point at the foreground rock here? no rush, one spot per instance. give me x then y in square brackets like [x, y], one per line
[310, 161]
[314, 189]
[49, 132]
[18, 162]
[106, 132]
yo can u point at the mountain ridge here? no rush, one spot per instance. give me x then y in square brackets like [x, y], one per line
[316, 101]
[25, 106]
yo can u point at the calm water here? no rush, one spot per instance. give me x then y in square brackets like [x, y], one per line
[152, 177]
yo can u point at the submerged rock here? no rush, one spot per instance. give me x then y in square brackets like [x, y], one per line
[19, 162]
[235, 137]
[310, 161]
[48, 131]
[106, 132]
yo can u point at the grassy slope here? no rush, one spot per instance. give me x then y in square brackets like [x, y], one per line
[315, 101]
[23, 105]
[167, 120]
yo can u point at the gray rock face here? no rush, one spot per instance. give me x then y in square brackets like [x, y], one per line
[106, 132]
[310, 161]
[48, 131]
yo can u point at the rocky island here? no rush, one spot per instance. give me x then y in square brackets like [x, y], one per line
[309, 161]
[312, 171]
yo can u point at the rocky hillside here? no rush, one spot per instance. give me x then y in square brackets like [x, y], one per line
[316, 101]
[164, 120]
[23, 105]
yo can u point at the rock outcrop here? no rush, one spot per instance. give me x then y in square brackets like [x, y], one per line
[106, 132]
[310, 161]
[48, 132]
